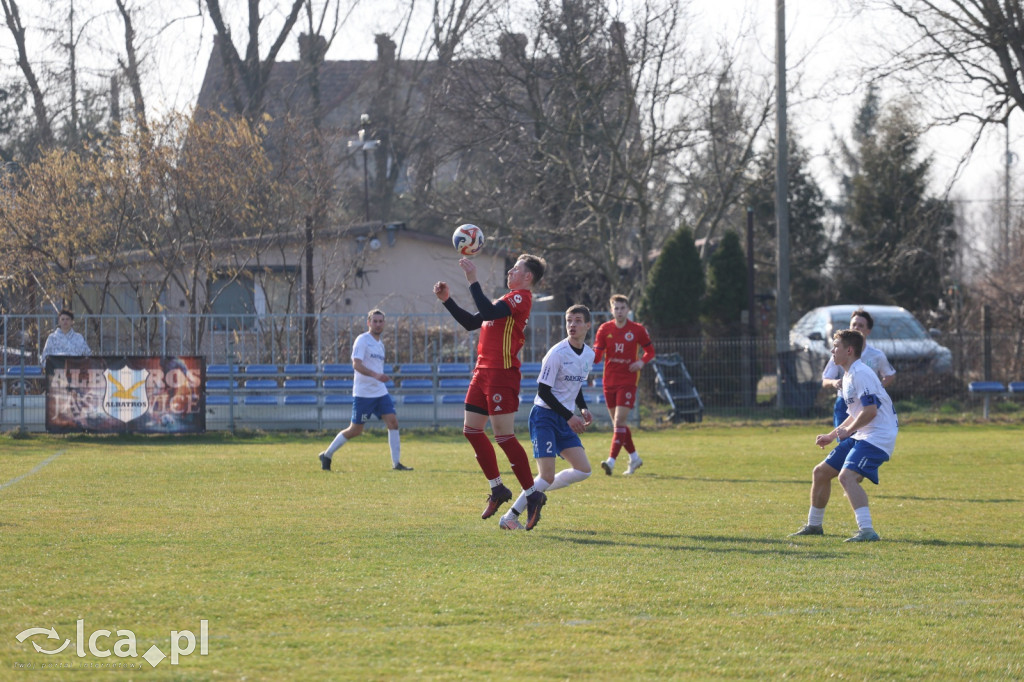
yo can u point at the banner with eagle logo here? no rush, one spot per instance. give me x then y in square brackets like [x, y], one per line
[125, 394]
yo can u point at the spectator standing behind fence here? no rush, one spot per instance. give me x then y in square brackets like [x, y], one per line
[64, 340]
[866, 438]
[832, 375]
[619, 342]
[494, 389]
[370, 395]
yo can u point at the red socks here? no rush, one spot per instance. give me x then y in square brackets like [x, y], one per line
[518, 458]
[484, 451]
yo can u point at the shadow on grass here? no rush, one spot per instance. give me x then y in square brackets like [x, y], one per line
[771, 545]
[936, 542]
[706, 479]
[996, 500]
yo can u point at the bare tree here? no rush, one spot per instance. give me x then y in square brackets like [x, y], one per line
[248, 75]
[12, 15]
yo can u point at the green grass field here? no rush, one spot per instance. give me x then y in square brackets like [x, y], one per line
[683, 571]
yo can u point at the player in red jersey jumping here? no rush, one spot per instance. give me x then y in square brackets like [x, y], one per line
[619, 342]
[494, 389]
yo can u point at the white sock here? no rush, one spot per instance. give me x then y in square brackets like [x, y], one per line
[816, 516]
[338, 441]
[396, 446]
[539, 484]
[568, 477]
[633, 458]
[863, 517]
[495, 482]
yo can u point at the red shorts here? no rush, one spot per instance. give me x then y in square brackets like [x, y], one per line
[497, 390]
[615, 396]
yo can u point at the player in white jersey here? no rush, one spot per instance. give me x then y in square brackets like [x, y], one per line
[554, 427]
[866, 440]
[832, 375]
[370, 395]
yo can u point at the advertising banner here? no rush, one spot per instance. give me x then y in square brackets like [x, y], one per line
[126, 394]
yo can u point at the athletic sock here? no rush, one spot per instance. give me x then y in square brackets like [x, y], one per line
[568, 477]
[816, 516]
[517, 458]
[619, 434]
[395, 443]
[627, 442]
[338, 441]
[485, 456]
[863, 517]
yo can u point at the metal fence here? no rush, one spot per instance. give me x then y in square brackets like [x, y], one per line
[740, 378]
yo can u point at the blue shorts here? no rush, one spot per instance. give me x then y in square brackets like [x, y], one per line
[364, 408]
[839, 413]
[550, 433]
[858, 455]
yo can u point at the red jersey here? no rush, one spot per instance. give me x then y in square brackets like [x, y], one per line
[501, 340]
[621, 348]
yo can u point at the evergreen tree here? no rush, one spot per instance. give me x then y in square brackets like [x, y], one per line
[727, 288]
[897, 240]
[810, 284]
[672, 301]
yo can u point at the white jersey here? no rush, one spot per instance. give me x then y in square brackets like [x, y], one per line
[861, 387]
[565, 372]
[59, 343]
[870, 356]
[371, 352]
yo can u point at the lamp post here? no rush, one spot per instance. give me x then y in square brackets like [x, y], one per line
[366, 146]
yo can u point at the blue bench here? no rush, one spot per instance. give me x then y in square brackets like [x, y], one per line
[530, 368]
[222, 370]
[450, 382]
[338, 399]
[417, 384]
[415, 369]
[1016, 387]
[986, 389]
[454, 368]
[260, 400]
[261, 384]
[262, 370]
[453, 399]
[418, 399]
[301, 400]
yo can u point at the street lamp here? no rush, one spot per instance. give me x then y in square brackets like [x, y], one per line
[367, 146]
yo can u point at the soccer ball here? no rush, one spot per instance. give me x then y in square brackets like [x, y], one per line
[468, 239]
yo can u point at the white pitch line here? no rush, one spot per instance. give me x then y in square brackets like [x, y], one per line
[34, 469]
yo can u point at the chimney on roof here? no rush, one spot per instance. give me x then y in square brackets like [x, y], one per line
[385, 48]
[618, 34]
[512, 46]
[312, 48]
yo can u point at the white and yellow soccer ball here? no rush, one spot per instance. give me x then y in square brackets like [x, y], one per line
[468, 239]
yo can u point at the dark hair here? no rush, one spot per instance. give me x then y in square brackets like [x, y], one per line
[67, 312]
[619, 298]
[535, 264]
[860, 312]
[581, 309]
[852, 339]
[375, 311]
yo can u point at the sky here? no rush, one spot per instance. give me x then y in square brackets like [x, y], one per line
[827, 40]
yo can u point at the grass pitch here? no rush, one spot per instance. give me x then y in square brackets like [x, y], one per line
[683, 571]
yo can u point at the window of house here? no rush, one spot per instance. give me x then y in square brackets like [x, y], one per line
[239, 300]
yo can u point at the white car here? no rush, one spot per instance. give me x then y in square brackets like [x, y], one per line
[908, 345]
